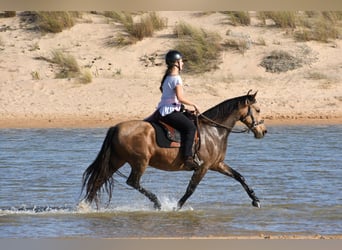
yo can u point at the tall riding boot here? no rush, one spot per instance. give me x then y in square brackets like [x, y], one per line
[190, 163]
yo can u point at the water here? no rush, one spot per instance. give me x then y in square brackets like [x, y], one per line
[295, 171]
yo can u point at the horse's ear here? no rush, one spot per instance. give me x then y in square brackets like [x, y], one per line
[251, 97]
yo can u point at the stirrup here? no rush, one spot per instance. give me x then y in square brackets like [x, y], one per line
[197, 160]
[190, 163]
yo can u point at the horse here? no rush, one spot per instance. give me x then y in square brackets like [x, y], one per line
[134, 142]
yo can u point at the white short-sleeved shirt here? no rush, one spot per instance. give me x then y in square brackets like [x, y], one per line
[169, 101]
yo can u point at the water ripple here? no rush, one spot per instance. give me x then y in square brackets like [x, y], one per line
[295, 171]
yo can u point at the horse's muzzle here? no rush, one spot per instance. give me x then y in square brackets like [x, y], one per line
[259, 130]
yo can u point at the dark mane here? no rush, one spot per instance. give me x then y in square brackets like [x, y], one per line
[221, 111]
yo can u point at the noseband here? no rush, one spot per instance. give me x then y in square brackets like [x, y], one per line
[254, 123]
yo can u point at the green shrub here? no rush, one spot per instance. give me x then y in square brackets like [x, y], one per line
[201, 49]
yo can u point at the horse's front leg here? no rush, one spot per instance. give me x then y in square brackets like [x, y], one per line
[195, 180]
[227, 170]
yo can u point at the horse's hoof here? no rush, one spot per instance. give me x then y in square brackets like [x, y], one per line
[256, 204]
[157, 207]
[176, 209]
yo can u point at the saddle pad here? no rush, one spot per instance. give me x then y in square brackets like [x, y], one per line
[161, 136]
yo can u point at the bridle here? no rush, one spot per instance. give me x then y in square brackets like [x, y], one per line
[254, 123]
[216, 124]
[242, 119]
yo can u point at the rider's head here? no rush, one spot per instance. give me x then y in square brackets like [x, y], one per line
[173, 58]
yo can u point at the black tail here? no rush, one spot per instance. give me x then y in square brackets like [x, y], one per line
[99, 173]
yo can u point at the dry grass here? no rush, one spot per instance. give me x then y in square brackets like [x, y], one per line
[282, 19]
[316, 76]
[135, 31]
[8, 14]
[260, 41]
[50, 21]
[67, 64]
[325, 84]
[34, 47]
[306, 26]
[319, 26]
[35, 75]
[239, 17]
[201, 48]
[67, 67]
[332, 16]
[237, 44]
[85, 76]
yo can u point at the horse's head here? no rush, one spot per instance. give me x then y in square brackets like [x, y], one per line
[250, 116]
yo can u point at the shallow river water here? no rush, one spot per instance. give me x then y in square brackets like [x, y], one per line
[295, 171]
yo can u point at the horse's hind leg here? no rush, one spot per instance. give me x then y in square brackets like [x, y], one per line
[134, 181]
[227, 170]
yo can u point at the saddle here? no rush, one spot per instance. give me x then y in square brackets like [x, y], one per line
[166, 135]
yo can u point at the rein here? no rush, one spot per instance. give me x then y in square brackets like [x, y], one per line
[216, 124]
[247, 129]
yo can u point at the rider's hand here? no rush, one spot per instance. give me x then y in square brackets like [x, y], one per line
[196, 109]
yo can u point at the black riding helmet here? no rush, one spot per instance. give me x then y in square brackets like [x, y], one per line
[172, 56]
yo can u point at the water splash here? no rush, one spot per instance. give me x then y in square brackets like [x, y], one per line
[84, 207]
[24, 209]
[170, 204]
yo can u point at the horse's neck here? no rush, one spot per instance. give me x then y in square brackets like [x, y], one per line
[230, 122]
[224, 130]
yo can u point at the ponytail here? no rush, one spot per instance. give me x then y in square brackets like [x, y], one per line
[167, 72]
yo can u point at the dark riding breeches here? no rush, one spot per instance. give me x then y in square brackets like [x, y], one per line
[186, 127]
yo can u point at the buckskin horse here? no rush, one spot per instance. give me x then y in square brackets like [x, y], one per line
[134, 142]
